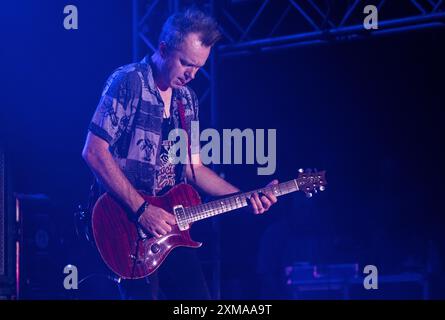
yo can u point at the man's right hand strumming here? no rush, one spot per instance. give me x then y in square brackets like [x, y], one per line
[157, 221]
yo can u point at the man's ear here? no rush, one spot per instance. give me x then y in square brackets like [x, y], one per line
[163, 50]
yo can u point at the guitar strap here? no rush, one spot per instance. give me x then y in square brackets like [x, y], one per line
[181, 110]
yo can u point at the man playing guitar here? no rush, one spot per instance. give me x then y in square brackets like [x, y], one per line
[127, 143]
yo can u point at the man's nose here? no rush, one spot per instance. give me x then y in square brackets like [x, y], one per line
[191, 74]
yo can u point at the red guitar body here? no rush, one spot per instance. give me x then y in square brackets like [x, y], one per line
[125, 248]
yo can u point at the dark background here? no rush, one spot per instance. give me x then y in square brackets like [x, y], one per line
[370, 112]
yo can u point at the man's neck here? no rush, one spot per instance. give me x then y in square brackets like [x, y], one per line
[157, 75]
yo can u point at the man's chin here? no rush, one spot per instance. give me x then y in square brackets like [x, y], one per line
[176, 84]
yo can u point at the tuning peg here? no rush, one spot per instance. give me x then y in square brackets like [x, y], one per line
[315, 190]
[309, 194]
[322, 188]
[300, 170]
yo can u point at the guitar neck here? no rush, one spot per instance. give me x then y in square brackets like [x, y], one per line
[237, 201]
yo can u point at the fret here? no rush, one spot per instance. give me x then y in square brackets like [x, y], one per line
[204, 212]
[197, 213]
[212, 206]
[243, 201]
[207, 208]
[217, 206]
[222, 205]
[188, 214]
[185, 216]
[233, 203]
[228, 204]
[194, 213]
[210, 209]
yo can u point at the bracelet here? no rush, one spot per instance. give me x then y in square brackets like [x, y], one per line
[140, 211]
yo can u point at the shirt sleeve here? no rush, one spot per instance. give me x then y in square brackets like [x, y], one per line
[117, 106]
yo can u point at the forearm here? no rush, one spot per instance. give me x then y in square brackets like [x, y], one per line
[209, 182]
[111, 176]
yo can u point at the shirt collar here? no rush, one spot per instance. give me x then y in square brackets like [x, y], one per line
[147, 60]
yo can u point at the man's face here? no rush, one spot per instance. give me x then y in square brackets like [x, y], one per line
[182, 64]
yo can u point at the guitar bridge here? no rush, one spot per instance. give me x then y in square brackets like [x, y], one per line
[181, 218]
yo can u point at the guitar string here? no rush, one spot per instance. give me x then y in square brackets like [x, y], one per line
[215, 207]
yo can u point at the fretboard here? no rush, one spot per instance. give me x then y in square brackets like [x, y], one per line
[237, 201]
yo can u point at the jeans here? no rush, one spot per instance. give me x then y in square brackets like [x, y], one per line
[180, 277]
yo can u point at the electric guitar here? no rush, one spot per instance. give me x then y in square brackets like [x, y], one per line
[130, 253]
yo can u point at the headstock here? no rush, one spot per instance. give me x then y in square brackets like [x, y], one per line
[310, 181]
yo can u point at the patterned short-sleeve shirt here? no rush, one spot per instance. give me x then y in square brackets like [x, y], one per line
[129, 118]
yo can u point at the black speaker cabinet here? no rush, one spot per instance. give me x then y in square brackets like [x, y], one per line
[8, 235]
[37, 258]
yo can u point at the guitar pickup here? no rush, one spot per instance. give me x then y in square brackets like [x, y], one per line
[181, 218]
